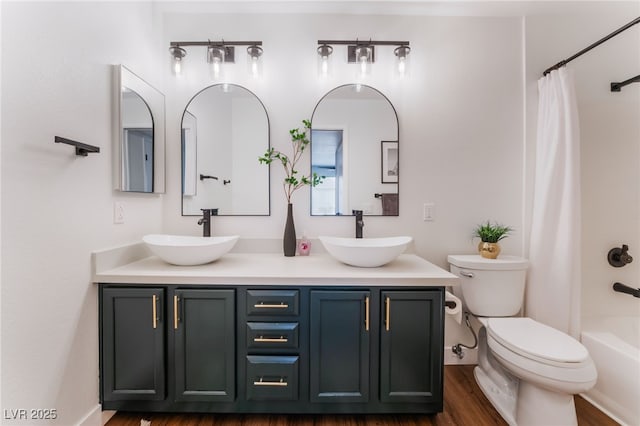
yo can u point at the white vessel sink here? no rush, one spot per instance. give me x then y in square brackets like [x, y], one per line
[187, 250]
[365, 252]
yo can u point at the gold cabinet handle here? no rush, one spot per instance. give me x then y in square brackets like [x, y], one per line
[388, 309]
[154, 311]
[261, 382]
[282, 305]
[175, 311]
[280, 339]
[366, 313]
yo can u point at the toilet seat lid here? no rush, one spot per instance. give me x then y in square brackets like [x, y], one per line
[534, 340]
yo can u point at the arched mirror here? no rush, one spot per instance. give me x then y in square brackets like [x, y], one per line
[225, 128]
[139, 124]
[137, 143]
[355, 146]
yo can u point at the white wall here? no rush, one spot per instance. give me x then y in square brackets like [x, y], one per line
[56, 207]
[450, 126]
[610, 139]
[460, 113]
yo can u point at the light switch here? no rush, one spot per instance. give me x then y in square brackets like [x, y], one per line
[428, 212]
[118, 212]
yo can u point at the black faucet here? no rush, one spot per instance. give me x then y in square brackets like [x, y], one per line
[206, 221]
[359, 222]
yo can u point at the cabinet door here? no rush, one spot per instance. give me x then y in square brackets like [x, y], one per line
[204, 330]
[133, 357]
[411, 346]
[339, 358]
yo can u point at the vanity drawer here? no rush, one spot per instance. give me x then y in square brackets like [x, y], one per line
[272, 302]
[269, 335]
[272, 378]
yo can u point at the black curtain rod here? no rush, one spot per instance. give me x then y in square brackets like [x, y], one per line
[617, 87]
[597, 43]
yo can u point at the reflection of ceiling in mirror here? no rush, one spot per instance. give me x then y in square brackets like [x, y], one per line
[352, 91]
[220, 93]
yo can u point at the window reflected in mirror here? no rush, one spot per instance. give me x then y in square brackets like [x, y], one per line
[355, 146]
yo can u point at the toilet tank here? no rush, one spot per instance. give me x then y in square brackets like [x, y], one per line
[490, 287]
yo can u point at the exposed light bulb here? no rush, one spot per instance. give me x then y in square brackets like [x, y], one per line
[402, 60]
[177, 53]
[363, 65]
[324, 55]
[325, 65]
[216, 69]
[402, 66]
[364, 57]
[254, 66]
[254, 53]
[215, 57]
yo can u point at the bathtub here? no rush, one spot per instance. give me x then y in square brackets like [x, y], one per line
[614, 346]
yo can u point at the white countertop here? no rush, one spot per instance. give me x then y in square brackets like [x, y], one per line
[272, 269]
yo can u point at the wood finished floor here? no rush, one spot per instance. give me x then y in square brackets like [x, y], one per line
[464, 405]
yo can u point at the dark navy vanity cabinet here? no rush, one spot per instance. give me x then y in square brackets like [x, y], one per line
[271, 349]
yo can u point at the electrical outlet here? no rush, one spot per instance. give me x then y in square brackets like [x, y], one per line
[428, 212]
[118, 212]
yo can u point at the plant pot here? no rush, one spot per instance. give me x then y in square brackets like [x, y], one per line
[289, 240]
[489, 250]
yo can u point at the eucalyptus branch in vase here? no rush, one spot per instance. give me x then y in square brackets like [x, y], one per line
[292, 181]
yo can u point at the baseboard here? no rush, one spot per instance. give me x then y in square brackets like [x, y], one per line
[96, 417]
[470, 356]
[600, 407]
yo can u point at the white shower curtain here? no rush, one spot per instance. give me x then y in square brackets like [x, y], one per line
[554, 281]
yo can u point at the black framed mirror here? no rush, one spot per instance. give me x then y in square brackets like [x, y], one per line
[225, 128]
[355, 146]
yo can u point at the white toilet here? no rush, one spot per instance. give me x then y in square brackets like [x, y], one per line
[529, 371]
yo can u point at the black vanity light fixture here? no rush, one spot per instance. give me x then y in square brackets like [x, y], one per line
[362, 52]
[218, 53]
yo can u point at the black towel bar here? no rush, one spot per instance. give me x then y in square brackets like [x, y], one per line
[81, 148]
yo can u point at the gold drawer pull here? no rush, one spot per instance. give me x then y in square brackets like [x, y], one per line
[175, 312]
[154, 312]
[366, 317]
[263, 383]
[388, 309]
[280, 339]
[282, 305]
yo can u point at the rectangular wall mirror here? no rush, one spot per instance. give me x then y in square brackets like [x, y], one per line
[139, 142]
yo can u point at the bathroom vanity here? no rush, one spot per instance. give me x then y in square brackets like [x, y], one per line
[261, 333]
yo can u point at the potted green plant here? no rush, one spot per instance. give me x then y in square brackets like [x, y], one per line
[292, 181]
[490, 235]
